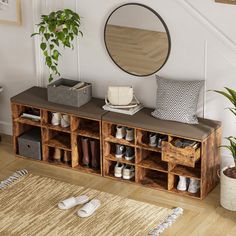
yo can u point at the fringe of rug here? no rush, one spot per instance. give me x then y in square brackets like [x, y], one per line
[14, 177]
[167, 222]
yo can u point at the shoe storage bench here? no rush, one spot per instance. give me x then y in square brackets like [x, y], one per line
[158, 168]
[84, 122]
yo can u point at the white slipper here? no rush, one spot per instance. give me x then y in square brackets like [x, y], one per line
[72, 202]
[89, 208]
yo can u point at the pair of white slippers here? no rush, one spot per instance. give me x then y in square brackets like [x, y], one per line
[87, 210]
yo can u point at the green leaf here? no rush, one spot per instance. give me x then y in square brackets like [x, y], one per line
[47, 36]
[45, 53]
[56, 42]
[81, 33]
[51, 46]
[50, 79]
[43, 46]
[232, 93]
[225, 94]
[41, 29]
[75, 30]
[32, 35]
[48, 61]
[55, 55]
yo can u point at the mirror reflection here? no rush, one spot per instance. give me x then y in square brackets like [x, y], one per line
[137, 39]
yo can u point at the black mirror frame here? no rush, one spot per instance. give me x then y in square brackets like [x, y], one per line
[162, 21]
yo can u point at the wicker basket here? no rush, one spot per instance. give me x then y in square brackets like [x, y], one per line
[183, 156]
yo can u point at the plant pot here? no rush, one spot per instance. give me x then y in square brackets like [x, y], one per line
[227, 191]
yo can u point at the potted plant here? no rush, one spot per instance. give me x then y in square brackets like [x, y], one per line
[57, 29]
[228, 174]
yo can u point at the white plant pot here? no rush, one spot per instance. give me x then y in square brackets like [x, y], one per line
[227, 191]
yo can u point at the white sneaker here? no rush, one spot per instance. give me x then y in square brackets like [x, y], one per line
[65, 121]
[194, 186]
[153, 140]
[129, 134]
[120, 132]
[128, 172]
[56, 118]
[182, 185]
[118, 170]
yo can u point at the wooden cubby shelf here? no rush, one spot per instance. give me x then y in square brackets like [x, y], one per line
[156, 167]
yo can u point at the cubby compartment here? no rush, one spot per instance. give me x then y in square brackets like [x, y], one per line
[85, 127]
[174, 180]
[89, 155]
[58, 156]
[151, 160]
[109, 171]
[109, 150]
[150, 140]
[190, 172]
[63, 124]
[186, 156]
[152, 178]
[110, 131]
[56, 139]
[26, 115]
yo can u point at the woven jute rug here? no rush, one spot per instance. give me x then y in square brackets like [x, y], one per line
[28, 206]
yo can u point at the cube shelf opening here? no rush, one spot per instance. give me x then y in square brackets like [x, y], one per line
[109, 171]
[152, 178]
[85, 150]
[186, 193]
[151, 160]
[110, 154]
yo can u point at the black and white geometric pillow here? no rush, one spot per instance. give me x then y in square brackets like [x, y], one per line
[177, 100]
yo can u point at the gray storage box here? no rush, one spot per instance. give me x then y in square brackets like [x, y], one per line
[60, 92]
[29, 144]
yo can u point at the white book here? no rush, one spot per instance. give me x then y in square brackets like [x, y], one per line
[127, 111]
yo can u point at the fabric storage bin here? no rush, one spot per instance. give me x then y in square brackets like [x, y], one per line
[29, 144]
[60, 92]
[184, 156]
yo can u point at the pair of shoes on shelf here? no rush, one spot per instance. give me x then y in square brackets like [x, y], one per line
[91, 153]
[62, 156]
[124, 171]
[193, 185]
[124, 133]
[127, 152]
[59, 119]
[155, 140]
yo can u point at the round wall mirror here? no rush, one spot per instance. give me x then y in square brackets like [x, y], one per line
[137, 39]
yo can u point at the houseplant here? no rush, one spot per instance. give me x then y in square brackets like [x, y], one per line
[228, 174]
[57, 29]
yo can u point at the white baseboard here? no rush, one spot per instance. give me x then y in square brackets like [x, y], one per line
[5, 128]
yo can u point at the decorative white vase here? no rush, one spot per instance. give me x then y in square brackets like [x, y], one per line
[227, 191]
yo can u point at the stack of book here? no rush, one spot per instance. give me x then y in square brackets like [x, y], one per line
[130, 109]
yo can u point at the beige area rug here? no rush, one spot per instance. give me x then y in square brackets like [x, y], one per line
[28, 206]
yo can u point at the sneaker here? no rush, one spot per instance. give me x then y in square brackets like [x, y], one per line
[182, 185]
[160, 139]
[129, 134]
[56, 118]
[194, 186]
[129, 153]
[128, 172]
[120, 151]
[65, 121]
[153, 140]
[118, 170]
[120, 132]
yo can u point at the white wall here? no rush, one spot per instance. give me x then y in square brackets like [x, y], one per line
[17, 64]
[203, 47]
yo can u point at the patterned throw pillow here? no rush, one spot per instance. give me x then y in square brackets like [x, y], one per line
[177, 100]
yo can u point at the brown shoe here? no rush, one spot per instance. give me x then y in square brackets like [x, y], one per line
[67, 157]
[57, 155]
[86, 152]
[95, 153]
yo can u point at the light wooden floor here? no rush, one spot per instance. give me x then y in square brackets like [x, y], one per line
[204, 218]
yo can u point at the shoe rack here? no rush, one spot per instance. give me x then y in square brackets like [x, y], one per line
[160, 168]
[157, 168]
[56, 139]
